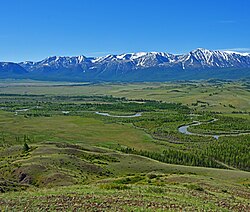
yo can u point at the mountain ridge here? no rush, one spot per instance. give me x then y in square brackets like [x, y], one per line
[131, 66]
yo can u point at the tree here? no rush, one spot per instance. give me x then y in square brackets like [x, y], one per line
[25, 147]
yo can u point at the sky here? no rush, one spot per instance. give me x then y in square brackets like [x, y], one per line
[31, 30]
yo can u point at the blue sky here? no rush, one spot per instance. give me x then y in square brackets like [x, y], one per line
[33, 30]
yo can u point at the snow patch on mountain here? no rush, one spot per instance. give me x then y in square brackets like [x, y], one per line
[197, 59]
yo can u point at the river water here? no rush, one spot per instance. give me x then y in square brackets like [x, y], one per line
[184, 129]
[116, 116]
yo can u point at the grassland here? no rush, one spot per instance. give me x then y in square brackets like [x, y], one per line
[152, 192]
[79, 160]
[74, 129]
[211, 95]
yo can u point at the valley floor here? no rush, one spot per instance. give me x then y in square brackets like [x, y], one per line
[58, 154]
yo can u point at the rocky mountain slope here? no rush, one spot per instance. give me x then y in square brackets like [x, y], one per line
[142, 66]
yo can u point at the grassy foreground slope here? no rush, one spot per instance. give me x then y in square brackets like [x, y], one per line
[97, 179]
[152, 192]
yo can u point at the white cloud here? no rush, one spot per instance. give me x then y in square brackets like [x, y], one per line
[245, 50]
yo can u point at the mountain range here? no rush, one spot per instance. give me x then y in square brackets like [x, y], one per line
[143, 66]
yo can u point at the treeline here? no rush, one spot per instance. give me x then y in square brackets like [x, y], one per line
[173, 156]
[69, 98]
[22, 95]
[22, 98]
[231, 151]
[114, 105]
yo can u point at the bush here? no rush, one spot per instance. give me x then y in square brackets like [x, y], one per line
[26, 147]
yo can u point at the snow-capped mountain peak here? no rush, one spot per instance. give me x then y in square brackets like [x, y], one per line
[146, 65]
[197, 59]
[204, 58]
[239, 53]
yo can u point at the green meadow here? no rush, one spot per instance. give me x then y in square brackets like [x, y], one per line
[213, 95]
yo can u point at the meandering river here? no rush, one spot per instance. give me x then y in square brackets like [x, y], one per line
[116, 116]
[184, 129]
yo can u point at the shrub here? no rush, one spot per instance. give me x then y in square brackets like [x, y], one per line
[25, 147]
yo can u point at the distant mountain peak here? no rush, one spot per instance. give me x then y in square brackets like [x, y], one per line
[239, 53]
[201, 50]
[199, 57]
[130, 63]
